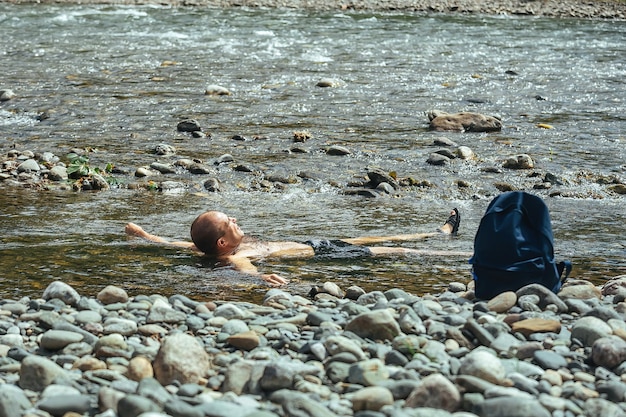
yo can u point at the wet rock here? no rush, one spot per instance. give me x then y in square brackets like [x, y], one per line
[437, 159]
[163, 168]
[377, 176]
[617, 189]
[212, 185]
[58, 173]
[363, 192]
[463, 122]
[443, 141]
[188, 125]
[29, 165]
[6, 95]
[281, 178]
[164, 149]
[522, 161]
[338, 150]
[200, 169]
[327, 82]
[225, 158]
[446, 152]
[301, 136]
[171, 186]
[504, 187]
[216, 90]
[143, 172]
[464, 152]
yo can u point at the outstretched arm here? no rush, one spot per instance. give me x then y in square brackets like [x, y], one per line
[132, 229]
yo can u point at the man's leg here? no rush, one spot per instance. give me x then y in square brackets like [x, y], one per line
[450, 227]
[388, 251]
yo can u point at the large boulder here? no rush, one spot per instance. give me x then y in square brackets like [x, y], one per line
[181, 358]
[463, 122]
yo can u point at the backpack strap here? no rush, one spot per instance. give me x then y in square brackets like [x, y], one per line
[564, 266]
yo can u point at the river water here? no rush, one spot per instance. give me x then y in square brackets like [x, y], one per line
[115, 81]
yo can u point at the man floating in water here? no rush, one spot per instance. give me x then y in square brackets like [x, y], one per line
[215, 234]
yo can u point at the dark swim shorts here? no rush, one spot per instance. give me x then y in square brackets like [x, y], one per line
[337, 249]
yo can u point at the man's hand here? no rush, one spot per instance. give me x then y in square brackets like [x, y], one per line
[274, 280]
[132, 229]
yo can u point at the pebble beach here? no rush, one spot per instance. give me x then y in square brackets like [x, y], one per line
[333, 352]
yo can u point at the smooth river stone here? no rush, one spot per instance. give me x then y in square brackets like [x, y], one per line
[58, 339]
[502, 302]
[536, 325]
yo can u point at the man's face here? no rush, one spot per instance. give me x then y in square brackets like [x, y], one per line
[234, 235]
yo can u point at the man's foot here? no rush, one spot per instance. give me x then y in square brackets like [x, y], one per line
[451, 226]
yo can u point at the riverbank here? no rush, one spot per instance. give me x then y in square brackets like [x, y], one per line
[340, 353]
[548, 8]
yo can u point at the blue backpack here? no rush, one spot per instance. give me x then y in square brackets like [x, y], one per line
[513, 247]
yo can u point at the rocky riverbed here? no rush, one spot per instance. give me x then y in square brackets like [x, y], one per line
[332, 352]
[187, 173]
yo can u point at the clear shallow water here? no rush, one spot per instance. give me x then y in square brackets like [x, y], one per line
[117, 80]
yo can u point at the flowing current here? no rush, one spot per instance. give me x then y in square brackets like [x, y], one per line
[115, 81]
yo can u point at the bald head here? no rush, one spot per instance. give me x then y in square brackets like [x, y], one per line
[207, 229]
[216, 234]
